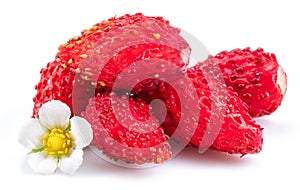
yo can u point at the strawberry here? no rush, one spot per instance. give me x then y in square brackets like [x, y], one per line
[90, 63]
[132, 135]
[256, 76]
[222, 121]
[56, 84]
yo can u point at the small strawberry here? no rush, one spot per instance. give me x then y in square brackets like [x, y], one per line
[93, 61]
[256, 76]
[222, 121]
[132, 135]
[56, 83]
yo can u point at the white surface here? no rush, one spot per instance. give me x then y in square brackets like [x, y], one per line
[32, 30]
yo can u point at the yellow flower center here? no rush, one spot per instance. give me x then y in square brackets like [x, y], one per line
[58, 142]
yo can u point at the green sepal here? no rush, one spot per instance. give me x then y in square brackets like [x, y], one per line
[37, 150]
[69, 126]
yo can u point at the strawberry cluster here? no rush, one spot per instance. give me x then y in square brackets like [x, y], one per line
[114, 73]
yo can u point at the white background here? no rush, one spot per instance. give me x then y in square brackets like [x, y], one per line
[31, 31]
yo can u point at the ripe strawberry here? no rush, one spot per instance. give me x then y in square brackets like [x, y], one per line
[132, 136]
[222, 120]
[56, 84]
[92, 61]
[256, 76]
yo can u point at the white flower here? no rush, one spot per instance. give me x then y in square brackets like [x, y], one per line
[55, 140]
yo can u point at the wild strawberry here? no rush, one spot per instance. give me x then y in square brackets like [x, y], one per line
[92, 62]
[56, 84]
[132, 135]
[256, 76]
[222, 120]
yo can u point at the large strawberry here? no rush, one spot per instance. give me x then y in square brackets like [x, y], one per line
[222, 120]
[124, 130]
[255, 75]
[92, 62]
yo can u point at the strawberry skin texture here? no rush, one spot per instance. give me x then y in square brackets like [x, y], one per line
[90, 63]
[256, 76]
[56, 83]
[120, 137]
[237, 134]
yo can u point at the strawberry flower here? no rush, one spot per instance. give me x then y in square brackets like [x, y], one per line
[55, 141]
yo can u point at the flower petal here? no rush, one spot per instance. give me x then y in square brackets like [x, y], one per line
[70, 164]
[54, 114]
[81, 131]
[31, 134]
[41, 163]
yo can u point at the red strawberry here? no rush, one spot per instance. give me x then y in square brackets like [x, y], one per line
[92, 62]
[222, 120]
[56, 84]
[256, 76]
[118, 133]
